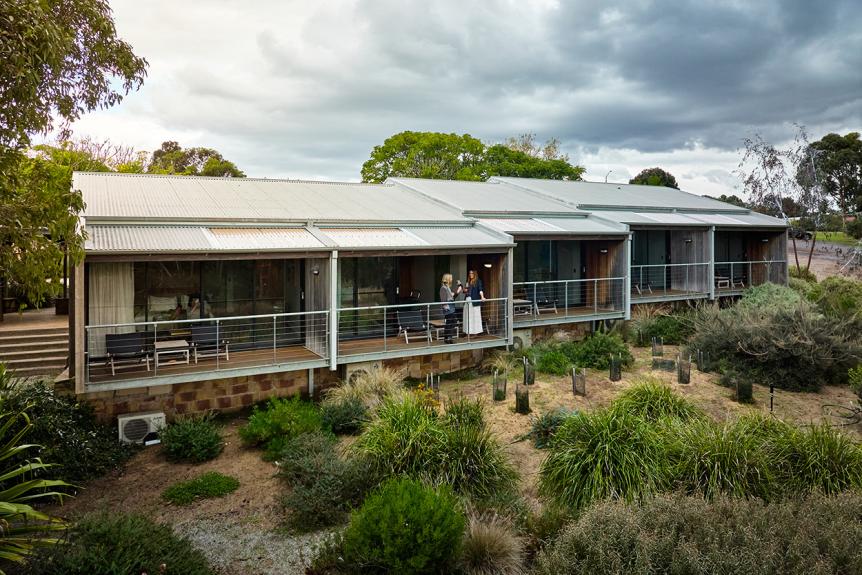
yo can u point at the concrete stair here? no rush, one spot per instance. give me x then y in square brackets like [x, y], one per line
[34, 351]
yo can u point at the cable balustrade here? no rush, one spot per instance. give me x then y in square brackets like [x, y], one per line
[176, 348]
[737, 276]
[566, 299]
[670, 281]
[405, 329]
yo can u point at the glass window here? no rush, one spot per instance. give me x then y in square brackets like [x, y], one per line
[172, 290]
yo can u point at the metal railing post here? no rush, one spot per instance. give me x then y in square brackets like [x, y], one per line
[535, 301]
[595, 296]
[385, 343]
[218, 341]
[155, 351]
[566, 298]
[428, 324]
[686, 279]
[89, 341]
[274, 356]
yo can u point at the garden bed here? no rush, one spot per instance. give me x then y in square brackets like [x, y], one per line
[243, 532]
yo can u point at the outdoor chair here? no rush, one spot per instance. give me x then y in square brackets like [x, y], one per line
[412, 321]
[642, 287]
[126, 349]
[207, 343]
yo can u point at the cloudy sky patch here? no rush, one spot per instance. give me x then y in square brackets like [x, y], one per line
[306, 89]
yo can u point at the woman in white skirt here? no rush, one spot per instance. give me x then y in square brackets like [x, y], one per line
[473, 307]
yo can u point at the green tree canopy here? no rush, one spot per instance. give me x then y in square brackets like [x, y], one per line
[171, 158]
[838, 162]
[655, 177]
[58, 60]
[732, 199]
[440, 156]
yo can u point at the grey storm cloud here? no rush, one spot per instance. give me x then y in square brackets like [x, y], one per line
[301, 88]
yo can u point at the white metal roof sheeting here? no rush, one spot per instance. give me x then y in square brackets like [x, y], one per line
[589, 225]
[372, 238]
[584, 194]
[144, 197]
[479, 197]
[170, 239]
[459, 237]
[520, 225]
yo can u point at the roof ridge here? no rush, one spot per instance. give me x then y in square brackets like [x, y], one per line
[284, 180]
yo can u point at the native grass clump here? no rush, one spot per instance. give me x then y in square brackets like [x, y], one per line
[410, 437]
[595, 351]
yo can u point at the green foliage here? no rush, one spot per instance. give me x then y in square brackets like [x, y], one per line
[65, 432]
[61, 60]
[818, 458]
[117, 544]
[553, 361]
[369, 388]
[410, 438]
[854, 228]
[545, 426]
[773, 336]
[672, 329]
[324, 486]
[596, 351]
[839, 167]
[344, 417]
[465, 412]
[676, 534]
[192, 439]
[24, 529]
[801, 273]
[405, 527]
[208, 485]
[458, 157]
[652, 400]
[854, 376]
[490, 547]
[278, 422]
[655, 177]
[603, 454]
[171, 158]
[838, 297]
[711, 459]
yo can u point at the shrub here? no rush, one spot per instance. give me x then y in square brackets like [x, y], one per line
[405, 527]
[603, 454]
[409, 438]
[819, 458]
[344, 417]
[554, 362]
[324, 487]
[838, 297]
[543, 527]
[194, 439]
[117, 544]
[370, 388]
[208, 485]
[769, 295]
[854, 228]
[789, 345]
[651, 400]
[673, 329]
[727, 535]
[279, 422]
[490, 547]
[801, 273]
[465, 412]
[854, 376]
[66, 432]
[711, 459]
[596, 350]
[545, 426]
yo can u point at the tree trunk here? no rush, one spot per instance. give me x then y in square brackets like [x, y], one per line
[795, 254]
[811, 251]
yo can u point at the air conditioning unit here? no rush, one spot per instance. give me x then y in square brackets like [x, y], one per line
[135, 427]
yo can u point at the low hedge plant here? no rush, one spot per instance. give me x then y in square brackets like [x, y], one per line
[192, 439]
[279, 421]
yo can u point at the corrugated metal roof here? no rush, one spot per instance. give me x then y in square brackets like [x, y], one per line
[143, 197]
[170, 239]
[372, 238]
[484, 197]
[589, 225]
[649, 218]
[520, 225]
[459, 237]
[588, 194]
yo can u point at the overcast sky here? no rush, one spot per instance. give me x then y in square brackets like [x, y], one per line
[306, 89]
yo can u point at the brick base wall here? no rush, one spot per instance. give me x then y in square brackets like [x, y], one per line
[236, 393]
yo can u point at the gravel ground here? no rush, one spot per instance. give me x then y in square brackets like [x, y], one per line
[243, 549]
